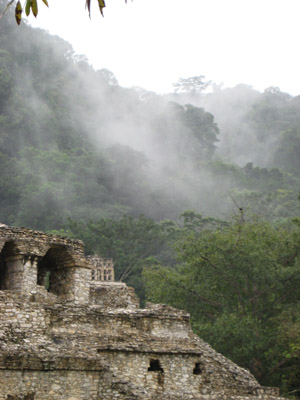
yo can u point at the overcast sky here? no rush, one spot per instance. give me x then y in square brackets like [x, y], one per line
[152, 43]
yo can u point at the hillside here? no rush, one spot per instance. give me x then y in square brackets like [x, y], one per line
[76, 144]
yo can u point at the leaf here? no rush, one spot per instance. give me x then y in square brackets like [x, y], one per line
[101, 6]
[27, 7]
[45, 2]
[34, 7]
[18, 12]
[88, 6]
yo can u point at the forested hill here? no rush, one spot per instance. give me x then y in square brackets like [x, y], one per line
[75, 144]
[153, 181]
[73, 141]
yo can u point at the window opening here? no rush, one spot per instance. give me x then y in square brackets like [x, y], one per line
[107, 275]
[155, 366]
[53, 271]
[43, 276]
[197, 370]
[103, 269]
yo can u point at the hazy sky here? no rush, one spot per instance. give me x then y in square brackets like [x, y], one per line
[152, 43]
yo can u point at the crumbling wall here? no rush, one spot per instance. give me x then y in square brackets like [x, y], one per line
[49, 385]
[64, 336]
[55, 271]
[30, 259]
[35, 242]
[151, 351]
[103, 268]
[93, 385]
[113, 295]
[195, 374]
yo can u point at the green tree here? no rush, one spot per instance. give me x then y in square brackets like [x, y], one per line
[132, 243]
[193, 85]
[201, 131]
[239, 283]
[288, 150]
[5, 78]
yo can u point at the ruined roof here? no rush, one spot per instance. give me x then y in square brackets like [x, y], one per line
[37, 243]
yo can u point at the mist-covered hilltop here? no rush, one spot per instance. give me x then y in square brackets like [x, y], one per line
[254, 125]
[75, 144]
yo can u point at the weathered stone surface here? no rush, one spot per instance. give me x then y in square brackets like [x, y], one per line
[66, 335]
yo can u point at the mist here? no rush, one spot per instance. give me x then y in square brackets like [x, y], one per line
[87, 148]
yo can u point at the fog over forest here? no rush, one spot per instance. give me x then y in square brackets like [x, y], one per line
[159, 155]
[134, 173]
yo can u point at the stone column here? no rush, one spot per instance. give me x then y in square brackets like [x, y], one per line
[82, 278]
[13, 279]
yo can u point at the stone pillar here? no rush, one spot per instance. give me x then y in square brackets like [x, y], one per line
[14, 273]
[82, 278]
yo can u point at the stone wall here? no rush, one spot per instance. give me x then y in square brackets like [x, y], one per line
[48, 385]
[30, 260]
[64, 336]
[103, 268]
[35, 242]
[47, 346]
[113, 295]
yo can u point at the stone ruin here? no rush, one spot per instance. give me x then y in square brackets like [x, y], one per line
[68, 331]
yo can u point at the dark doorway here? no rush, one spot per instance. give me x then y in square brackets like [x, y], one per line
[155, 366]
[197, 369]
[54, 271]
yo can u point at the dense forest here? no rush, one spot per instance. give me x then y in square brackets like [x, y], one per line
[194, 194]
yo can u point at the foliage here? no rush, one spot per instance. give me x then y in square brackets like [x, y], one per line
[287, 152]
[132, 243]
[201, 131]
[53, 101]
[192, 85]
[32, 6]
[101, 4]
[240, 285]
[196, 223]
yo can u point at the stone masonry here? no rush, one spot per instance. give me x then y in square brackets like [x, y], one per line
[69, 332]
